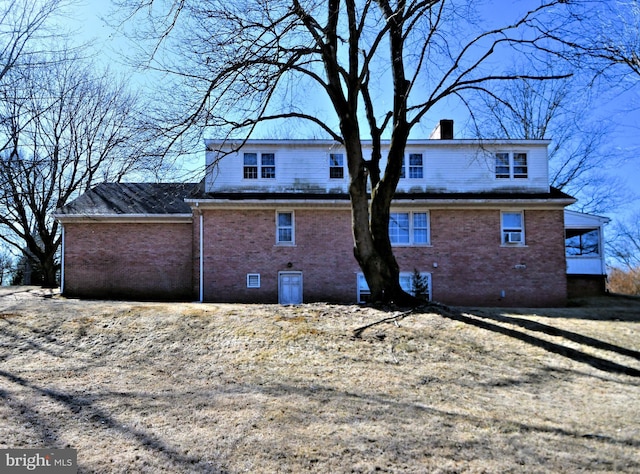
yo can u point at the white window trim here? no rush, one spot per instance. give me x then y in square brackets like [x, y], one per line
[342, 166]
[253, 276]
[411, 242]
[408, 169]
[293, 228]
[512, 166]
[523, 241]
[259, 165]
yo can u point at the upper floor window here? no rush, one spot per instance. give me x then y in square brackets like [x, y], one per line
[409, 228]
[415, 166]
[267, 166]
[511, 165]
[512, 228]
[284, 228]
[336, 165]
[582, 242]
[250, 166]
[268, 161]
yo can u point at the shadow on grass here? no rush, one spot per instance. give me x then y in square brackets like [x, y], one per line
[486, 322]
[98, 416]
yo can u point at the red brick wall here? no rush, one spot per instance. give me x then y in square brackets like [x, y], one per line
[161, 261]
[138, 261]
[238, 242]
[473, 268]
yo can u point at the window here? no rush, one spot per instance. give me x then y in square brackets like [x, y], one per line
[336, 166]
[582, 242]
[250, 166]
[268, 165]
[364, 294]
[415, 165]
[407, 283]
[284, 228]
[253, 280]
[407, 228]
[502, 165]
[512, 228]
[520, 165]
[511, 165]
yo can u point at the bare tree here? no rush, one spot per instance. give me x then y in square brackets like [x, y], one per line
[380, 67]
[608, 40]
[67, 128]
[6, 265]
[24, 28]
[624, 245]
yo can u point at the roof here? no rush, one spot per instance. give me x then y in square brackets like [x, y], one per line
[131, 199]
[553, 194]
[216, 144]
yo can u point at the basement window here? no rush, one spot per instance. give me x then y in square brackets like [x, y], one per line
[253, 280]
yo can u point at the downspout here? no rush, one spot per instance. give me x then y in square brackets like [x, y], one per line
[201, 257]
[62, 261]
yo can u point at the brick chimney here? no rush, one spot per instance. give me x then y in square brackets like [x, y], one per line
[443, 131]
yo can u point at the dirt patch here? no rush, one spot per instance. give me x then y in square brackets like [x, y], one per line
[148, 387]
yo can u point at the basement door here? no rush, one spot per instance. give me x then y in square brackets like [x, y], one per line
[290, 287]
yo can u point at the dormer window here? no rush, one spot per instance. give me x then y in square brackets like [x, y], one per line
[250, 166]
[336, 165]
[511, 165]
[267, 166]
[415, 167]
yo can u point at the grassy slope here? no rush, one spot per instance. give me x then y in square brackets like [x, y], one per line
[144, 387]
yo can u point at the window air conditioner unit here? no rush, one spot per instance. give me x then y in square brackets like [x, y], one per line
[513, 237]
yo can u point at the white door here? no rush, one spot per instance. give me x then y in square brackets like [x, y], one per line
[290, 287]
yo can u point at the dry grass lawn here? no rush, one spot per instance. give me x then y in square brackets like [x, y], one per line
[207, 388]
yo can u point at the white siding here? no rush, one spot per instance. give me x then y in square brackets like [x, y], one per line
[448, 166]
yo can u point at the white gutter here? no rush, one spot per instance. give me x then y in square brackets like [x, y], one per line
[132, 218]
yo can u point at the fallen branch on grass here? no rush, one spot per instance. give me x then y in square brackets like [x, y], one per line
[439, 308]
[357, 333]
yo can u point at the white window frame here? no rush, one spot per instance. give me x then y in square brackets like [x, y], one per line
[253, 280]
[245, 167]
[511, 165]
[413, 169]
[412, 228]
[508, 233]
[267, 168]
[406, 283]
[334, 166]
[278, 227]
[262, 171]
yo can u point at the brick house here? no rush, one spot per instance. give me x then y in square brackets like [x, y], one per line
[270, 223]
